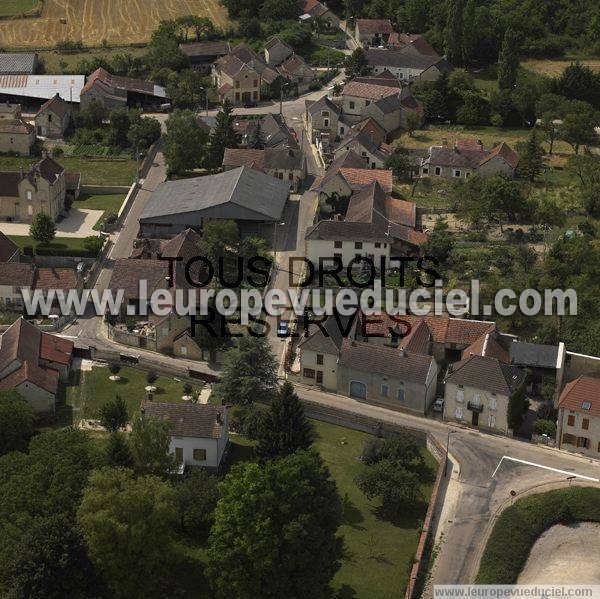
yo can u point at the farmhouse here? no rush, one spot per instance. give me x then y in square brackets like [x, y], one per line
[362, 144]
[53, 118]
[253, 199]
[286, 164]
[242, 76]
[407, 66]
[41, 189]
[468, 157]
[199, 432]
[374, 226]
[478, 390]
[310, 9]
[359, 93]
[372, 32]
[579, 416]
[411, 43]
[16, 136]
[116, 92]
[202, 55]
[33, 363]
[321, 118]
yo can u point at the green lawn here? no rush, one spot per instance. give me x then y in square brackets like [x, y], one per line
[379, 553]
[109, 203]
[15, 8]
[93, 172]
[68, 243]
[89, 390]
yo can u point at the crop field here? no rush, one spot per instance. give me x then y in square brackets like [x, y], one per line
[114, 22]
[11, 8]
[554, 68]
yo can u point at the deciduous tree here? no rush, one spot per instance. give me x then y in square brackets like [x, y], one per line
[42, 228]
[17, 422]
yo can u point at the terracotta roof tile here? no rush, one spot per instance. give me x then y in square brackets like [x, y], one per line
[55, 278]
[374, 26]
[582, 395]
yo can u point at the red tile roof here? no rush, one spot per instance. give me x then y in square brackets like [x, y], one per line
[374, 26]
[56, 349]
[189, 420]
[504, 151]
[487, 345]
[369, 90]
[582, 395]
[357, 177]
[55, 278]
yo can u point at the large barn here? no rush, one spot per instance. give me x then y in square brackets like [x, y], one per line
[253, 199]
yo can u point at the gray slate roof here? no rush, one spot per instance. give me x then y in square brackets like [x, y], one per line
[188, 420]
[250, 189]
[14, 63]
[329, 340]
[397, 58]
[533, 354]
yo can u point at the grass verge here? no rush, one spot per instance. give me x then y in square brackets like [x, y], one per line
[521, 524]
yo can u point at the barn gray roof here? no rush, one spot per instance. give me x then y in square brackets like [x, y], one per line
[250, 189]
[18, 63]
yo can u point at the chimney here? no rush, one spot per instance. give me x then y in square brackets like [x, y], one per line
[402, 352]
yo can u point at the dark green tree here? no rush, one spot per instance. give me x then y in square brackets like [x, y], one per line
[440, 242]
[113, 414]
[356, 64]
[118, 453]
[470, 33]
[50, 562]
[120, 123]
[143, 133]
[577, 129]
[249, 373]
[42, 228]
[150, 442]
[195, 499]
[17, 422]
[185, 142]
[508, 61]
[531, 155]
[453, 34]
[127, 524]
[399, 162]
[275, 530]
[284, 428]
[163, 50]
[223, 136]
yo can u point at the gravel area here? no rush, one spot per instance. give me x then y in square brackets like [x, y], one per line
[565, 555]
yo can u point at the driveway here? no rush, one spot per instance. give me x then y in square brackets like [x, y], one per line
[79, 223]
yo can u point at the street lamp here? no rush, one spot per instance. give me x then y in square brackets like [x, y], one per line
[450, 432]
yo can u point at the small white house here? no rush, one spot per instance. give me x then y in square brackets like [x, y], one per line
[199, 432]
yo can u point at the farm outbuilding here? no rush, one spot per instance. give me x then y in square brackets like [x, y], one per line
[253, 199]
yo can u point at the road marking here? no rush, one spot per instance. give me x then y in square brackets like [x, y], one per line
[574, 475]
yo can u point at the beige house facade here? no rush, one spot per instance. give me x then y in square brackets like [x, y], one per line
[16, 137]
[53, 118]
[41, 189]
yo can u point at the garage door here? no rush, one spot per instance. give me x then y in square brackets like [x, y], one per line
[358, 390]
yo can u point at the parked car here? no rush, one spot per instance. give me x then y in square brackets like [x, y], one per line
[282, 329]
[250, 104]
[438, 405]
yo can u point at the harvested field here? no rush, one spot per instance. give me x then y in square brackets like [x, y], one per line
[555, 67]
[116, 22]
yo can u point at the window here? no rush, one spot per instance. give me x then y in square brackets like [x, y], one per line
[319, 377]
[29, 195]
[457, 173]
[358, 245]
[255, 83]
[599, 446]
[200, 455]
[325, 122]
[337, 244]
[291, 176]
[183, 350]
[585, 424]
[367, 102]
[377, 244]
[237, 95]
[337, 255]
[342, 130]
[458, 413]
[49, 118]
[571, 420]
[320, 359]
[385, 390]
[324, 112]
[438, 170]
[477, 399]
[351, 105]
[179, 455]
[237, 84]
[30, 210]
[460, 395]
[569, 439]
[308, 373]
[400, 394]
[491, 421]
[493, 403]
[583, 442]
[467, 174]
[425, 170]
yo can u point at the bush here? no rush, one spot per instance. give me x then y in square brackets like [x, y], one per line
[114, 368]
[520, 525]
[545, 427]
[93, 244]
[151, 377]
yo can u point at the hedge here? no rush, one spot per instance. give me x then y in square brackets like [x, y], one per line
[520, 525]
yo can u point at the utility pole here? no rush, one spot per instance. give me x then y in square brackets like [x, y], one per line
[281, 99]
